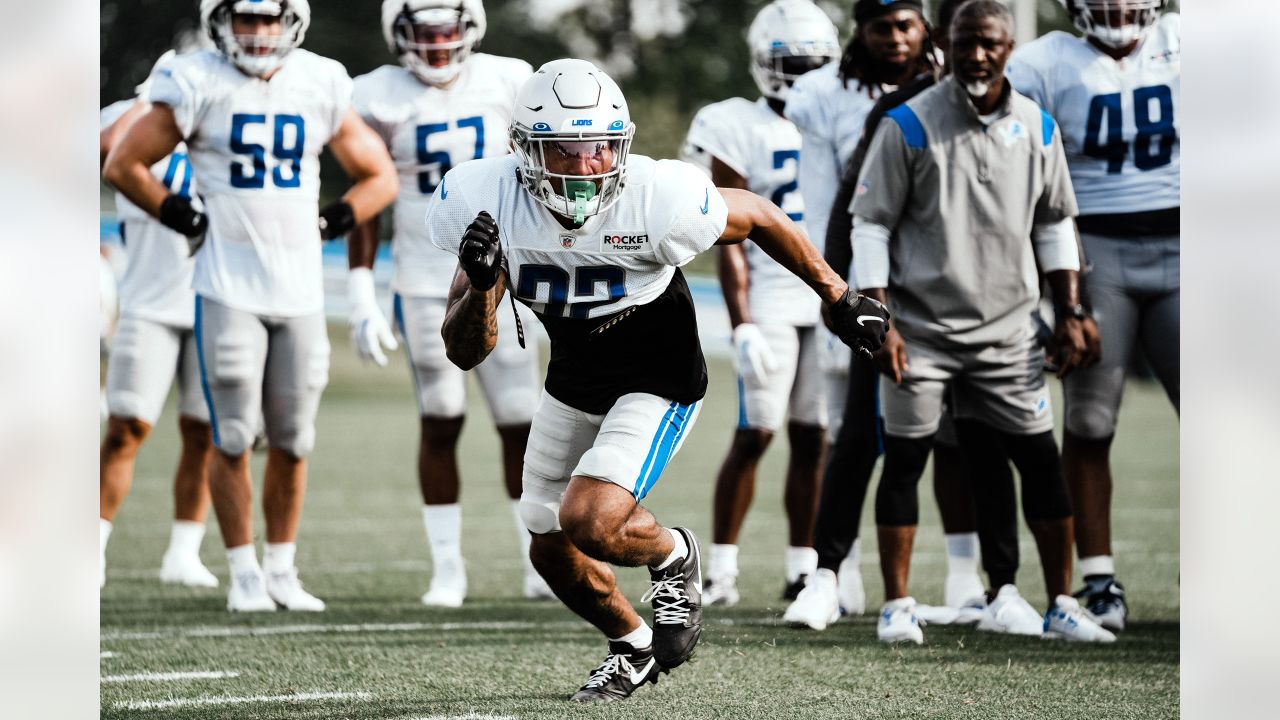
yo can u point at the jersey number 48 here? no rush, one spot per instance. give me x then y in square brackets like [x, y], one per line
[1153, 144]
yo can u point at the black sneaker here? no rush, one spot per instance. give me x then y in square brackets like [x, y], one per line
[791, 590]
[1103, 597]
[624, 669]
[676, 595]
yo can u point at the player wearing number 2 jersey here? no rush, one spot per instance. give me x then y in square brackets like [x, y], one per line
[1115, 93]
[255, 114]
[443, 105]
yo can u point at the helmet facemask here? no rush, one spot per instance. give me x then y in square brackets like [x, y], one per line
[1115, 23]
[412, 34]
[576, 197]
[256, 55]
[776, 69]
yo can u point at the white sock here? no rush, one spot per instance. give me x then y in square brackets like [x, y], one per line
[641, 637]
[444, 530]
[1097, 565]
[855, 551]
[522, 534]
[278, 557]
[185, 537]
[242, 559]
[679, 552]
[104, 534]
[801, 561]
[724, 561]
[962, 553]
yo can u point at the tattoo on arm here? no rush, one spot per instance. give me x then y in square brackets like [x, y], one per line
[471, 322]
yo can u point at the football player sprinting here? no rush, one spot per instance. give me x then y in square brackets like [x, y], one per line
[751, 146]
[442, 106]
[591, 238]
[154, 345]
[255, 114]
[1115, 93]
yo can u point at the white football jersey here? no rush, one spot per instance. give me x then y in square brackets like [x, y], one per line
[830, 117]
[429, 130]
[763, 148]
[1119, 120]
[157, 279]
[255, 149]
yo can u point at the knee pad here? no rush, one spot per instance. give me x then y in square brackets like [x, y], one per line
[1044, 488]
[540, 516]
[1093, 402]
[896, 500]
[232, 436]
[298, 442]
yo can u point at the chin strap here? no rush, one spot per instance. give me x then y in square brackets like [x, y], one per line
[511, 294]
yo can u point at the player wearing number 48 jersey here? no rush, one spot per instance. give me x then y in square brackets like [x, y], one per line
[1115, 93]
[443, 105]
[255, 114]
[592, 239]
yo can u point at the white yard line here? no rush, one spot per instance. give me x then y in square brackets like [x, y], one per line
[106, 654]
[209, 631]
[171, 676]
[192, 702]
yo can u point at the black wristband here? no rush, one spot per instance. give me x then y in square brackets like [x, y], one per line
[178, 214]
[336, 219]
[1077, 311]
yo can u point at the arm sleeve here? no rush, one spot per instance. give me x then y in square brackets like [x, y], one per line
[171, 86]
[1056, 246]
[871, 254]
[884, 183]
[448, 215]
[1057, 199]
[687, 213]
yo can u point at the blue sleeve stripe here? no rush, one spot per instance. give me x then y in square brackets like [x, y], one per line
[1046, 127]
[912, 130]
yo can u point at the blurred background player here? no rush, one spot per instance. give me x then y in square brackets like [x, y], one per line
[442, 106]
[153, 346]
[260, 331]
[1115, 94]
[751, 146]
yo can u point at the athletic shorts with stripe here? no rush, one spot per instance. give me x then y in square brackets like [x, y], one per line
[796, 389]
[629, 446]
[508, 377]
[145, 359]
[255, 366]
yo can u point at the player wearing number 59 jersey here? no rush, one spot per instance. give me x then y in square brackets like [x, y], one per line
[255, 114]
[442, 106]
[1115, 93]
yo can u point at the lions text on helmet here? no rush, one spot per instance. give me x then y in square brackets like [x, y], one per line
[1114, 23]
[433, 38]
[255, 35]
[788, 38]
[572, 131]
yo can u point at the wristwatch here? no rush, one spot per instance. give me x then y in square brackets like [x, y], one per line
[1077, 311]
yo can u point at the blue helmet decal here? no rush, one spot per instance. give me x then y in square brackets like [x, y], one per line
[616, 125]
[541, 127]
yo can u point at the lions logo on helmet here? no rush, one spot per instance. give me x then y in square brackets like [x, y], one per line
[433, 38]
[571, 108]
[255, 55]
[1115, 23]
[788, 38]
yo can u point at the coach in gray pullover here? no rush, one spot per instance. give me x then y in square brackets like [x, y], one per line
[963, 190]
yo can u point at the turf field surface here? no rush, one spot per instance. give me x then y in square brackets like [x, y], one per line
[377, 653]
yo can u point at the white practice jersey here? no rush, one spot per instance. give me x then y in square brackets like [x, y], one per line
[157, 279]
[830, 117]
[1119, 120]
[763, 148]
[255, 149]
[429, 130]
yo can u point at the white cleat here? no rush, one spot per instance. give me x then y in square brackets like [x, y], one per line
[971, 610]
[1010, 614]
[249, 593]
[962, 588]
[721, 591]
[182, 569]
[535, 588]
[286, 590]
[1068, 621]
[853, 597]
[898, 622]
[448, 584]
[817, 605]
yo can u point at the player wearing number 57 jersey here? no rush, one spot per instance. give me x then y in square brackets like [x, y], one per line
[443, 105]
[1115, 94]
[592, 240]
[255, 114]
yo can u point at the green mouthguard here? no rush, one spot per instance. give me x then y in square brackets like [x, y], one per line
[581, 191]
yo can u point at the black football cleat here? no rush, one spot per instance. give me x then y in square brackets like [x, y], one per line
[676, 595]
[1103, 597]
[791, 590]
[623, 670]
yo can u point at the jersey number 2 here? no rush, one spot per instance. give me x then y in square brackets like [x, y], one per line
[780, 158]
[287, 150]
[1152, 146]
[556, 280]
[429, 178]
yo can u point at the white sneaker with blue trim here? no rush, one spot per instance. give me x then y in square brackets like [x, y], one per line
[898, 622]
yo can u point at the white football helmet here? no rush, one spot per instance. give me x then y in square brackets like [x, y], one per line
[215, 20]
[1115, 23]
[401, 18]
[572, 108]
[788, 38]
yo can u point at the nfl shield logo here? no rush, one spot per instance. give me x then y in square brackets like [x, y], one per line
[566, 241]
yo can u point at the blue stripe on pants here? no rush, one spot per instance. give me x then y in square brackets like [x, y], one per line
[204, 376]
[669, 436]
[653, 448]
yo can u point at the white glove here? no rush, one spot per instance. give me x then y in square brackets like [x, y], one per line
[751, 355]
[370, 332]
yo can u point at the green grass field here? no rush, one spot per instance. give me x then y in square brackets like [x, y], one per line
[378, 653]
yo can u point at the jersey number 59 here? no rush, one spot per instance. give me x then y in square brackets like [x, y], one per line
[288, 141]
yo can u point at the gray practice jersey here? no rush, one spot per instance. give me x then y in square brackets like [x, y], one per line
[961, 193]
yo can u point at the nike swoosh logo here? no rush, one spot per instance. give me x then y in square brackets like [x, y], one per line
[534, 109]
[444, 194]
[706, 202]
[638, 676]
[868, 317]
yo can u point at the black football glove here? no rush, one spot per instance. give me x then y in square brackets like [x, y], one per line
[178, 214]
[859, 321]
[480, 253]
[336, 219]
